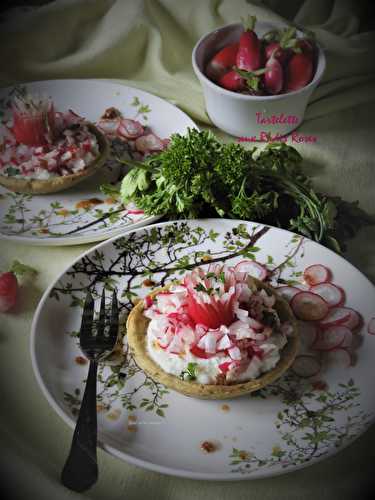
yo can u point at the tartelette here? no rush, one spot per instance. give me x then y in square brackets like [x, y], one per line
[217, 334]
[45, 151]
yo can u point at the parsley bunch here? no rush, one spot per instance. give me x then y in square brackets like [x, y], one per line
[198, 176]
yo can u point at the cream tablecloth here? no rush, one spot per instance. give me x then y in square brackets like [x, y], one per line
[148, 44]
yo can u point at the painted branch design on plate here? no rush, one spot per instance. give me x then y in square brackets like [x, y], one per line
[313, 420]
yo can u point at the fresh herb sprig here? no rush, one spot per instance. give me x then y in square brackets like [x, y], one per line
[198, 176]
[190, 372]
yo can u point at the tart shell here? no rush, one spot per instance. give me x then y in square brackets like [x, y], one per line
[62, 182]
[137, 325]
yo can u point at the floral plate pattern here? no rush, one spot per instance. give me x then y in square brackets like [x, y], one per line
[83, 213]
[290, 424]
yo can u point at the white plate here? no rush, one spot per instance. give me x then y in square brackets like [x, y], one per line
[291, 424]
[47, 219]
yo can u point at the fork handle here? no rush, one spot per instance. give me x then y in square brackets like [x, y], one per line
[81, 469]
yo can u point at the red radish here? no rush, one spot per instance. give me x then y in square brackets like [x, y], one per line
[309, 306]
[306, 366]
[249, 55]
[8, 291]
[273, 77]
[232, 81]
[371, 326]
[222, 61]
[299, 72]
[306, 45]
[339, 357]
[332, 338]
[287, 292]
[336, 316]
[130, 129]
[316, 274]
[253, 268]
[280, 53]
[332, 294]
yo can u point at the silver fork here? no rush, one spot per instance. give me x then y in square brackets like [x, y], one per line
[81, 468]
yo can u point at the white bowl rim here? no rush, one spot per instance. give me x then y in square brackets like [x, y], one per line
[236, 95]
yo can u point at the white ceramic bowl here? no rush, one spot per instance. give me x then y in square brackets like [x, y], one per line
[241, 115]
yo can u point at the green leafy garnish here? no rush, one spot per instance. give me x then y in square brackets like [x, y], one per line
[190, 372]
[197, 176]
[12, 171]
[22, 271]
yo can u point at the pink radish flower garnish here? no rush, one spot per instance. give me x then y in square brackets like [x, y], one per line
[33, 120]
[211, 296]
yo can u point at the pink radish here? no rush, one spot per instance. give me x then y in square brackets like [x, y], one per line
[130, 129]
[315, 274]
[8, 291]
[332, 338]
[306, 366]
[222, 61]
[287, 292]
[273, 77]
[309, 306]
[299, 72]
[249, 55]
[371, 326]
[332, 294]
[253, 268]
[232, 81]
[339, 357]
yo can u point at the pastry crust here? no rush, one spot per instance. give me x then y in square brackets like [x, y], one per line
[137, 329]
[60, 183]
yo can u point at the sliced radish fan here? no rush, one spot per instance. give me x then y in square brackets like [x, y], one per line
[309, 306]
[316, 274]
[332, 294]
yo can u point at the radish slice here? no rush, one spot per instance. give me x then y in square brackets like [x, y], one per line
[316, 274]
[339, 357]
[332, 294]
[336, 316]
[354, 319]
[309, 306]
[130, 129]
[306, 366]
[371, 326]
[287, 292]
[253, 268]
[149, 142]
[308, 334]
[332, 338]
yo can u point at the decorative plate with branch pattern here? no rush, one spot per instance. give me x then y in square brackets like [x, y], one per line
[84, 213]
[290, 424]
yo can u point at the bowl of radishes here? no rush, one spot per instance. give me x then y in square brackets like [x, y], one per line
[257, 77]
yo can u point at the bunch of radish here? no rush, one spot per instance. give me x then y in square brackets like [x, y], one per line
[277, 63]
